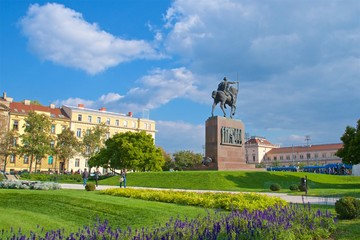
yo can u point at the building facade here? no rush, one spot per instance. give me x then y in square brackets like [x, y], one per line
[79, 119]
[261, 151]
[83, 119]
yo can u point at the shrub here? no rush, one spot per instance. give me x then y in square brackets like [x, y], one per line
[294, 187]
[90, 187]
[275, 187]
[347, 208]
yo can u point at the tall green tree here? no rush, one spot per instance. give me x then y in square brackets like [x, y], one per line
[169, 163]
[187, 159]
[350, 152]
[93, 140]
[8, 145]
[67, 146]
[131, 150]
[37, 137]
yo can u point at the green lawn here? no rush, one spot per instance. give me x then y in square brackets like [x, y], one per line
[248, 181]
[72, 209]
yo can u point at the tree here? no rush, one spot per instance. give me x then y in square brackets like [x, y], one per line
[169, 163]
[67, 145]
[350, 152]
[8, 145]
[130, 150]
[93, 141]
[36, 138]
[187, 159]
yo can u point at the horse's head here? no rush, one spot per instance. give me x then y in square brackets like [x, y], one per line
[213, 95]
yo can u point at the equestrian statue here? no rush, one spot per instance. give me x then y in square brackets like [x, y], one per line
[225, 95]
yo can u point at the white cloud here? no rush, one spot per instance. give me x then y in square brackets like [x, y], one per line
[110, 97]
[63, 36]
[178, 136]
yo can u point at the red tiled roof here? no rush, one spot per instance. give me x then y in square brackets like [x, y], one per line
[262, 141]
[21, 108]
[311, 148]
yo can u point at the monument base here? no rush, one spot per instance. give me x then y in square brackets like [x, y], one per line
[224, 144]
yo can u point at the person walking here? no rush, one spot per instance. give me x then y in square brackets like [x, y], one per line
[96, 175]
[85, 176]
[123, 178]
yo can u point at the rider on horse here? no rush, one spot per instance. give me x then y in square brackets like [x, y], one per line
[224, 86]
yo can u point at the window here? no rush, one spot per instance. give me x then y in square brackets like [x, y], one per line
[16, 125]
[38, 160]
[78, 132]
[98, 120]
[14, 142]
[52, 128]
[125, 123]
[253, 158]
[324, 155]
[316, 155]
[134, 124]
[77, 162]
[287, 157]
[281, 158]
[117, 122]
[52, 144]
[90, 119]
[301, 156]
[275, 158]
[79, 117]
[12, 159]
[50, 160]
[145, 125]
[63, 127]
[149, 126]
[88, 132]
[107, 136]
[26, 159]
[308, 156]
[108, 121]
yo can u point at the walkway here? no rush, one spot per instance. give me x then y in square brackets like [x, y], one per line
[286, 197]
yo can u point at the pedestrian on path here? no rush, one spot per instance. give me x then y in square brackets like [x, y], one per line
[96, 175]
[85, 176]
[123, 178]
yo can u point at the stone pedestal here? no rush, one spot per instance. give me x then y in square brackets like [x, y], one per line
[224, 143]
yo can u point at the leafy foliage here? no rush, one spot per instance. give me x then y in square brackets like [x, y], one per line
[8, 145]
[186, 159]
[294, 187]
[130, 150]
[67, 145]
[36, 138]
[350, 153]
[275, 187]
[347, 207]
[90, 186]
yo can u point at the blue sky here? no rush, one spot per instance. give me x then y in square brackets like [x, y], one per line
[298, 62]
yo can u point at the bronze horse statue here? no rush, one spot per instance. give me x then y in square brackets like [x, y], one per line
[225, 99]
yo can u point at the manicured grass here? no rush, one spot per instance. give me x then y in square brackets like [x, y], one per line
[246, 181]
[72, 209]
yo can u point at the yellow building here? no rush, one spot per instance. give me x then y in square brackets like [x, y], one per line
[83, 118]
[18, 112]
[79, 119]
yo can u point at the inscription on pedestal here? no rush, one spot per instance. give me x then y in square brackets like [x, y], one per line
[231, 136]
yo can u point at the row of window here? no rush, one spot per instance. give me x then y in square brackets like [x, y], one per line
[107, 122]
[301, 156]
[26, 159]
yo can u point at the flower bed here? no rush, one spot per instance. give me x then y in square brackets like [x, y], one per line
[36, 185]
[278, 222]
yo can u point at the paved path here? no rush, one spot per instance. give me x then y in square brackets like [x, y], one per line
[286, 197]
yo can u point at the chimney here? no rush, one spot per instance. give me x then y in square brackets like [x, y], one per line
[52, 106]
[102, 109]
[130, 114]
[27, 102]
[80, 105]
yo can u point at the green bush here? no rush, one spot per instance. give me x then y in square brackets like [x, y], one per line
[90, 187]
[275, 187]
[347, 208]
[294, 187]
